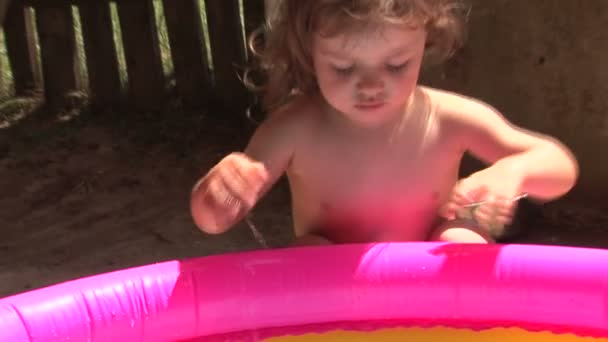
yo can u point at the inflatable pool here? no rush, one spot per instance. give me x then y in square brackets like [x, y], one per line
[380, 292]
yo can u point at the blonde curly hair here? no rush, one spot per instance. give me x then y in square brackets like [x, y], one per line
[282, 47]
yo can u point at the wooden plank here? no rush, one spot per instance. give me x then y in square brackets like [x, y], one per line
[188, 50]
[142, 53]
[4, 4]
[3, 9]
[102, 61]
[228, 53]
[58, 51]
[3, 93]
[21, 47]
[36, 3]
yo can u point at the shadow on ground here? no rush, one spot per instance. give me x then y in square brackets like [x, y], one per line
[88, 194]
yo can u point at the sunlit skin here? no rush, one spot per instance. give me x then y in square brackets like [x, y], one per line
[375, 156]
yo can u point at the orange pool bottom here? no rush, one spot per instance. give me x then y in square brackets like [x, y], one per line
[437, 335]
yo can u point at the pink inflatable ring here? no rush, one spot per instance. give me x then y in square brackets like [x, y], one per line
[313, 292]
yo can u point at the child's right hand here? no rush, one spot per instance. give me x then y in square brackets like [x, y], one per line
[228, 191]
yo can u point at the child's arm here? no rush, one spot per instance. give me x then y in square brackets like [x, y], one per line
[544, 168]
[232, 187]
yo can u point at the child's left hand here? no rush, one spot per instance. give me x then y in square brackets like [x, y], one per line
[496, 189]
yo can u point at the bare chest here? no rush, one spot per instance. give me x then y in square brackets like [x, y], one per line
[371, 185]
[372, 172]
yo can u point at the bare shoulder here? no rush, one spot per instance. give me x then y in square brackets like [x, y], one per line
[479, 127]
[460, 110]
[275, 139]
[285, 124]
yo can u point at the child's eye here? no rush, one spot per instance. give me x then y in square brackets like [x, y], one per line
[396, 68]
[343, 70]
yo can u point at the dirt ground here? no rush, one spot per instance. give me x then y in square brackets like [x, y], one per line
[87, 194]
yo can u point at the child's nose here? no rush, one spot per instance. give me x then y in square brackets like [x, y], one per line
[370, 84]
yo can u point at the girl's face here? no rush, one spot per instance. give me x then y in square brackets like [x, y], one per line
[368, 76]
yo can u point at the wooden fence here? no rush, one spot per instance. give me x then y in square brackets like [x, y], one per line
[54, 70]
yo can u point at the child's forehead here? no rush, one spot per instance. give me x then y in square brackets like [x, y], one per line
[392, 38]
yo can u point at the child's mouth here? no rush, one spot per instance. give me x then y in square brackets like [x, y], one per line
[369, 106]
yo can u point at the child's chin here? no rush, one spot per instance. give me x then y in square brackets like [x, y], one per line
[373, 118]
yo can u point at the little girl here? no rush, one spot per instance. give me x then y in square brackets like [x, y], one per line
[369, 154]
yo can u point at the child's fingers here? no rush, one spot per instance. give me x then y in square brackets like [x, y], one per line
[506, 210]
[465, 192]
[495, 212]
[483, 215]
[249, 176]
[504, 219]
[251, 169]
[230, 204]
[221, 196]
[256, 175]
[221, 205]
[460, 198]
[454, 207]
[448, 211]
[476, 193]
[238, 184]
[486, 212]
